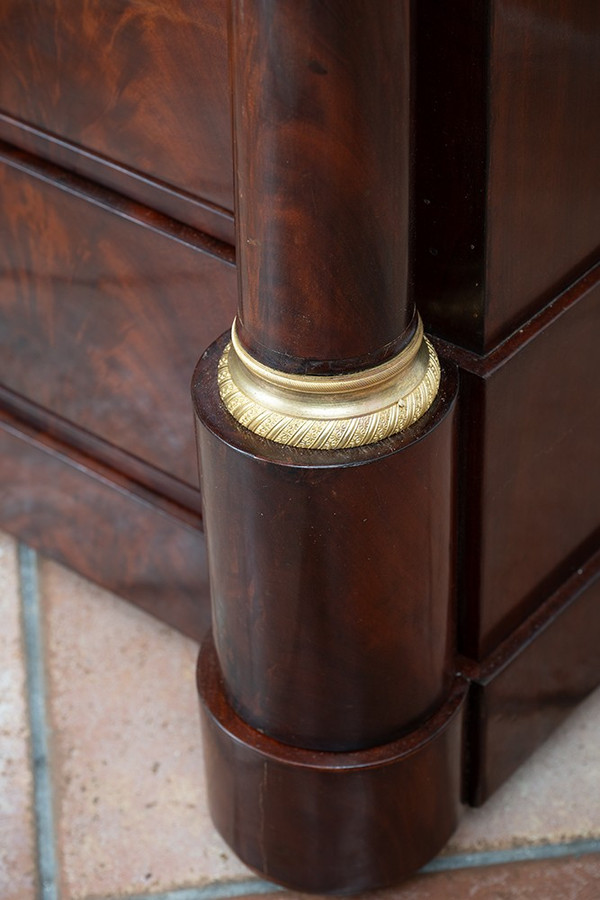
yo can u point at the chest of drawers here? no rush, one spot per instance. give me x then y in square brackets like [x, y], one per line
[118, 268]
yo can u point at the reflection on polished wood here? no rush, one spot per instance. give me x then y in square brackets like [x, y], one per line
[327, 459]
[387, 156]
[330, 412]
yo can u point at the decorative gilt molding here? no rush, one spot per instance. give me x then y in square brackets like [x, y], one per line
[329, 412]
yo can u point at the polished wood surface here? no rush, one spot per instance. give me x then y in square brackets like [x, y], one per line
[162, 484]
[322, 181]
[100, 321]
[163, 198]
[331, 822]
[326, 596]
[451, 44]
[527, 687]
[332, 572]
[386, 154]
[115, 532]
[545, 90]
[530, 489]
[142, 85]
[507, 174]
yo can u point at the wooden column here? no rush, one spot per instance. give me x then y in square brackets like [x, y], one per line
[321, 123]
[331, 712]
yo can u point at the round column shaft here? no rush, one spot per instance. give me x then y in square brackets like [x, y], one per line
[320, 113]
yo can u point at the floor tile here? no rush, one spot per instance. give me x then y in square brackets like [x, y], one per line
[17, 843]
[556, 879]
[553, 797]
[129, 783]
[131, 811]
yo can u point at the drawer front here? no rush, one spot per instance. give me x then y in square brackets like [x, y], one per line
[103, 317]
[142, 84]
[69, 508]
[518, 705]
[531, 493]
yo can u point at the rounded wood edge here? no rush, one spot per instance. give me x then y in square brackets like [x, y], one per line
[330, 822]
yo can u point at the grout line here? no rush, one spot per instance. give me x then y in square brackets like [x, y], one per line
[231, 889]
[36, 691]
[43, 799]
[216, 891]
[511, 855]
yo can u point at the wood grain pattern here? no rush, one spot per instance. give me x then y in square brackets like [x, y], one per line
[331, 822]
[95, 520]
[333, 577]
[331, 574]
[144, 85]
[102, 314]
[160, 196]
[160, 483]
[507, 175]
[321, 118]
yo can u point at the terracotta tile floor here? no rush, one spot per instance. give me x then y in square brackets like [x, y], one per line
[102, 697]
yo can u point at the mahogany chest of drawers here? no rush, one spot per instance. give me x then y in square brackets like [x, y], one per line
[118, 269]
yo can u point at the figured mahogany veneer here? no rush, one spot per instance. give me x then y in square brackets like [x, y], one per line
[111, 529]
[331, 822]
[385, 155]
[328, 685]
[324, 588]
[314, 152]
[201, 214]
[140, 85]
[100, 321]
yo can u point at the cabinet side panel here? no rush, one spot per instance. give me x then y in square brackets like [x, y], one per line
[507, 181]
[450, 168]
[544, 176]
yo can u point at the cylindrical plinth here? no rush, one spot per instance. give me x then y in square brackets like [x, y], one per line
[330, 822]
[330, 574]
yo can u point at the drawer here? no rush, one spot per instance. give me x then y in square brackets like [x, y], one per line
[73, 509]
[140, 84]
[531, 480]
[104, 313]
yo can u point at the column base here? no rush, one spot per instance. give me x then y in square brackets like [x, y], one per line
[330, 822]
